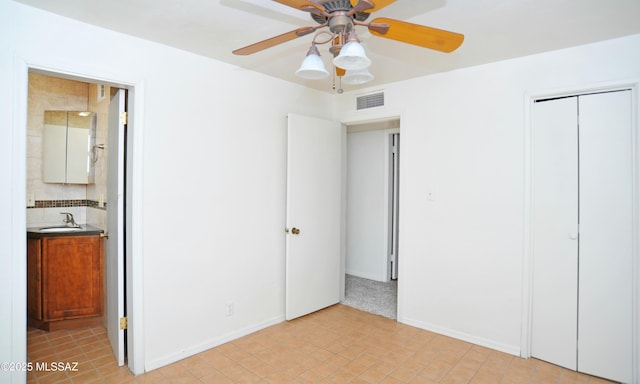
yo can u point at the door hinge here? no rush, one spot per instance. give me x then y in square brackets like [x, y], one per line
[124, 118]
[123, 323]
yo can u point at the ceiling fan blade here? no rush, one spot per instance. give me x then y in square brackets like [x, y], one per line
[420, 35]
[303, 5]
[268, 43]
[377, 4]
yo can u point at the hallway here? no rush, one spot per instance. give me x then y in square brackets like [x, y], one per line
[371, 296]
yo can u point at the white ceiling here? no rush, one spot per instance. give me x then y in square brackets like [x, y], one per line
[494, 30]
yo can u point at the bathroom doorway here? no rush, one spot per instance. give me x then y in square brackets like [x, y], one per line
[87, 202]
[371, 256]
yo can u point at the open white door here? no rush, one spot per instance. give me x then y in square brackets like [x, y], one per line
[114, 245]
[314, 175]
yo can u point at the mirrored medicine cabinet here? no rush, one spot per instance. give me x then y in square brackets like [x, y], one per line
[67, 142]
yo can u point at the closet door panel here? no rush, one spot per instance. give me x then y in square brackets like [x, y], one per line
[555, 245]
[605, 269]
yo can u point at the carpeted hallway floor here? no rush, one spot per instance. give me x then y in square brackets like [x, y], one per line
[371, 296]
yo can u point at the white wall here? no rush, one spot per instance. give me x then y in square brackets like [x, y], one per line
[463, 137]
[212, 174]
[366, 204]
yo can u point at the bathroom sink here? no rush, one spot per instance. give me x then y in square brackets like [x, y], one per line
[61, 229]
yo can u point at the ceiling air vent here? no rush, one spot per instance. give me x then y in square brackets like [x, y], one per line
[371, 100]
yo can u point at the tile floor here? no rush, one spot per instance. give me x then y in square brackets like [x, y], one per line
[336, 345]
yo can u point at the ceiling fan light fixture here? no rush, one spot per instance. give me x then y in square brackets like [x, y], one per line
[352, 56]
[357, 76]
[312, 67]
[341, 17]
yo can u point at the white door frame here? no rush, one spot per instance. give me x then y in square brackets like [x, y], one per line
[527, 278]
[393, 199]
[382, 256]
[388, 131]
[19, 108]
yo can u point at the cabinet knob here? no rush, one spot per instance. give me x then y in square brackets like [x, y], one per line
[104, 235]
[295, 231]
[573, 236]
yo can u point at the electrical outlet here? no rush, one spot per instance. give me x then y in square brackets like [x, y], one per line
[31, 200]
[229, 309]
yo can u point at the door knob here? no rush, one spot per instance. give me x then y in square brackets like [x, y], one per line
[104, 235]
[295, 231]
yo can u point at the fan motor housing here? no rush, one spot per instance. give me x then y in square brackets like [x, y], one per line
[336, 8]
[340, 22]
[335, 5]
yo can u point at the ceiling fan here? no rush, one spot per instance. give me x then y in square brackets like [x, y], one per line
[341, 17]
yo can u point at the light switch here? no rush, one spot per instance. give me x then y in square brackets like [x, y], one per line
[229, 309]
[431, 196]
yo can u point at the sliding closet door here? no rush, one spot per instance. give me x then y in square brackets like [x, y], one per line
[555, 244]
[605, 272]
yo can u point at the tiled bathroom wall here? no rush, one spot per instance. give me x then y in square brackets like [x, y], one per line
[52, 93]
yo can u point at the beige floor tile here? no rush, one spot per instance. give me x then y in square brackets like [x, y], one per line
[337, 345]
[486, 378]
[436, 370]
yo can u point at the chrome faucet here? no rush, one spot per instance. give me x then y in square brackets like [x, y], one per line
[68, 219]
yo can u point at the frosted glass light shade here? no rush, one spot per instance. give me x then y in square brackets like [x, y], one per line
[352, 57]
[312, 68]
[358, 76]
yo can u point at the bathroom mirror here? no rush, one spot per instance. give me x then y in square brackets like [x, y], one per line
[67, 139]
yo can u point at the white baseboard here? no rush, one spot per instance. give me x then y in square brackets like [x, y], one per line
[510, 349]
[211, 343]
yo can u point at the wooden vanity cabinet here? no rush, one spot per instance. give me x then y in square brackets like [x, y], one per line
[65, 281]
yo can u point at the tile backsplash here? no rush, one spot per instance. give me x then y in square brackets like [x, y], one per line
[64, 203]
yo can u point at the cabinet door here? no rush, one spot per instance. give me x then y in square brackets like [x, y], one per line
[54, 154]
[72, 277]
[78, 162]
[34, 279]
